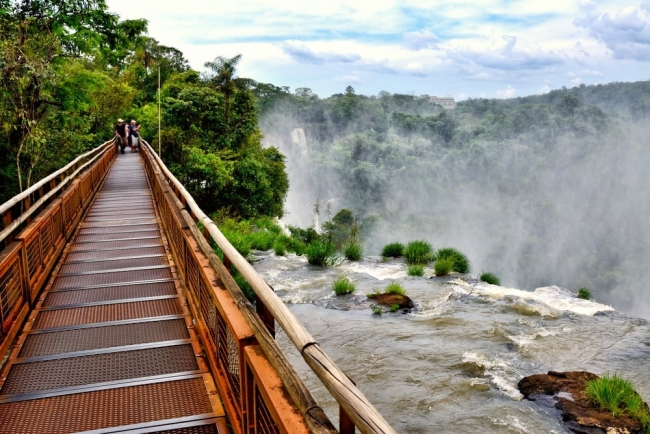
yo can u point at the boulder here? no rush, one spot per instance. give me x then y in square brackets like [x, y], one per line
[565, 392]
[402, 301]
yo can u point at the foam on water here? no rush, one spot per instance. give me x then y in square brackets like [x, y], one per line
[375, 268]
[553, 297]
[501, 373]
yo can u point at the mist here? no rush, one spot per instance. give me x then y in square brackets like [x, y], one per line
[546, 204]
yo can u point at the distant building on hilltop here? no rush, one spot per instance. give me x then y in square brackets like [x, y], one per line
[446, 102]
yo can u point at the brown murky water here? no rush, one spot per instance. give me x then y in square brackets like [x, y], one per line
[452, 365]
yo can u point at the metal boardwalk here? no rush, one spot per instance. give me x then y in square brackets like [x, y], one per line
[110, 346]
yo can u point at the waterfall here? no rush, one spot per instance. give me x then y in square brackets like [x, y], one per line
[298, 139]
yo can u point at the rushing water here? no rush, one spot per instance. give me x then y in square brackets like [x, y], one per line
[452, 364]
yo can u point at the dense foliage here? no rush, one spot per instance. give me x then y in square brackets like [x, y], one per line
[545, 189]
[69, 69]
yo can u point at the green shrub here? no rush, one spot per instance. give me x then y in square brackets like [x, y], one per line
[394, 307]
[343, 286]
[417, 252]
[490, 278]
[296, 246]
[279, 248]
[415, 270]
[584, 293]
[395, 288]
[321, 254]
[262, 239]
[377, 310]
[615, 394]
[353, 252]
[392, 250]
[460, 263]
[246, 288]
[239, 241]
[442, 267]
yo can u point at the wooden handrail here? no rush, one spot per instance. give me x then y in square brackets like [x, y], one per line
[35, 206]
[350, 398]
[25, 194]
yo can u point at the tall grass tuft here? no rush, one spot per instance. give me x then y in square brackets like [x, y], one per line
[442, 267]
[616, 395]
[343, 286]
[392, 250]
[584, 293]
[459, 260]
[489, 278]
[353, 252]
[415, 270]
[395, 288]
[319, 253]
[417, 252]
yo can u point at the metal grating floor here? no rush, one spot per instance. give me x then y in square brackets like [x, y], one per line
[110, 345]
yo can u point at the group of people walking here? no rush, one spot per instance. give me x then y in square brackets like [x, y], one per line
[127, 133]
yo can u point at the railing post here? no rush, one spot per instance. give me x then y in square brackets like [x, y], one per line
[6, 221]
[346, 425]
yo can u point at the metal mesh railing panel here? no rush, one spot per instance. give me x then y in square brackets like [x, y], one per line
[99, 368]
[264, 421]
[43, 344]
[46, 238]
[201, 429]
[122, 406]
[57, 228]
[228, 356]
[34, 259]
[11, 287]
[111, 312]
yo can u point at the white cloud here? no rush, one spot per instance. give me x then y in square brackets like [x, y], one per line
[508, 92]
[626, 32]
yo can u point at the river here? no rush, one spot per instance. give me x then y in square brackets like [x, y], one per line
[452, 364]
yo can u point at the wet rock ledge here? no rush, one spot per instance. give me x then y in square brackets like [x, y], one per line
[565, 392]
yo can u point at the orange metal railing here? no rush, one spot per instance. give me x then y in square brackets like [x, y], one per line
[248, 375]
[35, 227]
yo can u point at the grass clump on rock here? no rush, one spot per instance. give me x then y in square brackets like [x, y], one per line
[584, 293]
[393, 250]
[395, 288]
[353, 252]
[343, 286]
[489, 278]
[443, 267]
[417, 252]
[319, 253]
[616, 395]
[460, 263]
[415, 270]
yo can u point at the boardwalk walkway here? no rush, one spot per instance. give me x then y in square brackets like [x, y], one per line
[110, 346]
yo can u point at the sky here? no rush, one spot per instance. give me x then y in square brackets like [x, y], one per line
[460, 48]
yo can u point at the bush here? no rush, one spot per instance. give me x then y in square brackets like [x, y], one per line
[377, 310]
[394, 308]
[442, 267]
[321, 254]
[460, 263]
[279, 248]
[296, 246]
[615, 394]
[490, 278]
[239, 241]
[395, 288]
[353, 252]
[415, 270]
[343, 286]
[246, 288]
[392, 250]
[584, 293]
[417, 252]
[262, 239]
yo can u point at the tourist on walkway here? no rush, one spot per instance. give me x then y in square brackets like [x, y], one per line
[134, 136]
[122, 134]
